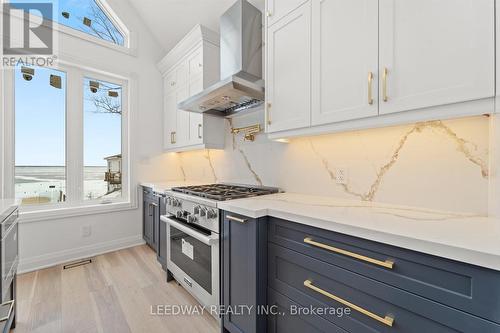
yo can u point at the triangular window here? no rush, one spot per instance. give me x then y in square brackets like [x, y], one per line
[88, 16]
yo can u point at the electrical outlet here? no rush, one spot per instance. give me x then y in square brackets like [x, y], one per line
[341, 176]
[86, 231]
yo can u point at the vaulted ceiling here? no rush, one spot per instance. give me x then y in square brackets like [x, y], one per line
[170, 20]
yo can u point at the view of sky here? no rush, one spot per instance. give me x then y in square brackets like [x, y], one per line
[75, 11]
[101, 129]
[41, 120]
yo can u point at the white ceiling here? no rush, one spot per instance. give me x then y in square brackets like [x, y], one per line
[170, 20]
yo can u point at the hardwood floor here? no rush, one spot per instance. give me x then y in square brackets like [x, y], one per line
[114, 293]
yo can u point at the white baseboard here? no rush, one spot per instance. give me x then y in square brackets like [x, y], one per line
[56, 258]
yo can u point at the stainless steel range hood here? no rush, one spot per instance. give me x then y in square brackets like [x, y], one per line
[241, 86]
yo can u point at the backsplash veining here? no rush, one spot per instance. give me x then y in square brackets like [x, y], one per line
[438, 165]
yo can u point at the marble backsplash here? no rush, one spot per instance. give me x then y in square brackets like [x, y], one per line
[436, 165]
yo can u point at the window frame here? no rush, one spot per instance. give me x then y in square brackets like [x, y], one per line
[129, 43]
[75, 204]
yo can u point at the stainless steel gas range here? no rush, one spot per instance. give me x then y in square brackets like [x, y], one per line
[193, 227]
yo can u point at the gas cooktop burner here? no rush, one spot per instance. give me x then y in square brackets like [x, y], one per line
[221, 192]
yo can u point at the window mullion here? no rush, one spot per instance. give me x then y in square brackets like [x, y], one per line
[74, 136]
[8, 133]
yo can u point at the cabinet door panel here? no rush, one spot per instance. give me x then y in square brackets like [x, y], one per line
[239, 273]
[182, 131]
[195, 119]
[169, 119]
[182, 73]
[195, 64]
[345, 52]
[435, 52]
[289, 71]
[276, 9]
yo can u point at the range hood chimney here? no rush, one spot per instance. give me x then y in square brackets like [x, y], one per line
[241, 86]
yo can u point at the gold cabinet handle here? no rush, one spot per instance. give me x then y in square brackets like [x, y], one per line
[173, 137]
[384, 84]
[236, 219]
[387, 264]
[269, 113]
[387, 320]
[370, 88]
[199, 131]
[11, 307]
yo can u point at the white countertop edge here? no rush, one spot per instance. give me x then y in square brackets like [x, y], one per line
[453, 252]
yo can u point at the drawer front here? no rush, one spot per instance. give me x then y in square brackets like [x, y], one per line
[462, 286]
[285, 320]
[375, 307]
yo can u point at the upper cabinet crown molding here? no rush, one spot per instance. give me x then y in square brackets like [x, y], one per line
[198, 34]
[374, 63]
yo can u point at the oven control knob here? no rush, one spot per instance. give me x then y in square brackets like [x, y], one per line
[196, 210]
[192, 219]
[176, 203]
[179, 214]
[211, 214]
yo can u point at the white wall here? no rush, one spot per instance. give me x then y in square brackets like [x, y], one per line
[47, 242]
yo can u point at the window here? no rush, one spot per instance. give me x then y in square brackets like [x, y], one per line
[40, 135]
[102, 139]
[86, 16]
[71, 129]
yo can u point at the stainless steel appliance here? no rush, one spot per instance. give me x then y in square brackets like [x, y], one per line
[193, 228]
[10, 252]
[241, 86]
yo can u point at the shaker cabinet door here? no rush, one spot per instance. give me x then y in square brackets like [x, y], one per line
[435, 52]
[344, 60]
[169, 120]
[289, 71]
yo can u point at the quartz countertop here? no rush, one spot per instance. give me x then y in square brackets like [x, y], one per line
[463, 237]
[162, 186]
[6, 207]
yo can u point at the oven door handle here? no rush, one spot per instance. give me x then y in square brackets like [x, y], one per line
[208, 240]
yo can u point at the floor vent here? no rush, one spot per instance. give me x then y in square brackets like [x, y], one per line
[77, 263]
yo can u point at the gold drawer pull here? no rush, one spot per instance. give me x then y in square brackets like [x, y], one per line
[384, 85]
[11, 303]
[387, 264]
[370, 88]
[235, 219]
[387, 320]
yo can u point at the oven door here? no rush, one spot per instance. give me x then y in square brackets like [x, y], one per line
[193, 259]
[9, 248]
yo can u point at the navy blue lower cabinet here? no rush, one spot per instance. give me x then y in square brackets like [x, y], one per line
[286, 318]
[458, 285]
[374, 306]
[323, 281]
[244, 272]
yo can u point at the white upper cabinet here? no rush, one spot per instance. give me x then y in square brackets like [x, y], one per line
[190, 67]
[276, 9]
[435, 52]
[344, 60]
[338, 65]
[288, 83]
